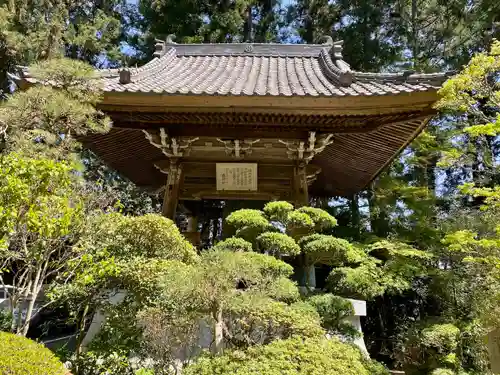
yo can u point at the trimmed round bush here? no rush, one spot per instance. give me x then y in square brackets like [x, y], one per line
[295, 356]
[22, 356]
[278, 244]
[233, 244]
[278, 210]
[322, 219]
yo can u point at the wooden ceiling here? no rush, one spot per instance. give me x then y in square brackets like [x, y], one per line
[361, 146]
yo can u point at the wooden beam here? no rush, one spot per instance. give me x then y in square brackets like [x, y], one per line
[335, 105]
[206, 169]
[172, 188]
[244, 195]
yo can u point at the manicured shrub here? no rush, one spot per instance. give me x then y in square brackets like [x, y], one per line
[22, 356]
[233, 244]
[295, 356]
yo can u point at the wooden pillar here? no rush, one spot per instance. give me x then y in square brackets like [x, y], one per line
[191, 233]
[172, 188]
[192, 224]
[300, 191]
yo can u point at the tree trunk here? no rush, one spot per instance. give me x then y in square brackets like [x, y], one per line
[379, 220]
[310, 274]
[81, 330]
[36, 287]
[218, 346]
[355, 217]
[247, 28]
[21, 302]
[414, 32]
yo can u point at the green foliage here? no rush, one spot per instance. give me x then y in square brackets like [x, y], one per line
[366, 281]
[299, 223]
[239, 290]
[333, 310]
[277, 244]
[255, 319]
[45, 118]
[278, 211]
[465, 90]
[442, 371]
[322, 219]
[170, 298]
[214, 280]
[114, 236]
[473, 98]
[5, 320]
[296, 355]
[249, 223]
[123, 251]
[233, 244]
[268, 266]
[364, 272]
[127, 253]
[36, 195]
[391, 269]
[41, 216]
[460, 282]
[115, 363]
[441, 337]
[151, 236]
[440, 347]
[331, 250]
[296, 223]
[34, 30]
[21, 356]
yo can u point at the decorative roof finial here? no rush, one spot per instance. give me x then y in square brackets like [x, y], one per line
[159, 47]
[125, 76]
[336, 50]
[326, 40]
[170, 39]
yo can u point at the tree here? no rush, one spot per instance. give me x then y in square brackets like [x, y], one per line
[241, 298]
[43, 199]
[371, 41]
[460, 294]
[46, 119]
[119, 253]
[445, 34]
[313, 20]
[230, 288]
[41, 216]
[34, 30]
[297, 235]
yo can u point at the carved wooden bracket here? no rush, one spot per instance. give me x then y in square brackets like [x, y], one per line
[170, 146]
[305, 151]
[312, 174]
[238, 148]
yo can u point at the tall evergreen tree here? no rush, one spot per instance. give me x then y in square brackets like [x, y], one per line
[33, 30]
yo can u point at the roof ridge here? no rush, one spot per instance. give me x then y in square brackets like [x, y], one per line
[248, 49]
[338, 71]
[404, 76]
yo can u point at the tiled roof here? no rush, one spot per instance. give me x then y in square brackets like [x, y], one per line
[260, 69]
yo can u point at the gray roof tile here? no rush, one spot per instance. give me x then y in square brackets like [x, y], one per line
[260, 70]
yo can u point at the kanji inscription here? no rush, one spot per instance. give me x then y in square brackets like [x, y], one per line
[236, 176]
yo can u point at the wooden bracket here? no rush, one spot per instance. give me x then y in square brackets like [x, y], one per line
[170, 146]
[305, 151]
[238, 148]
